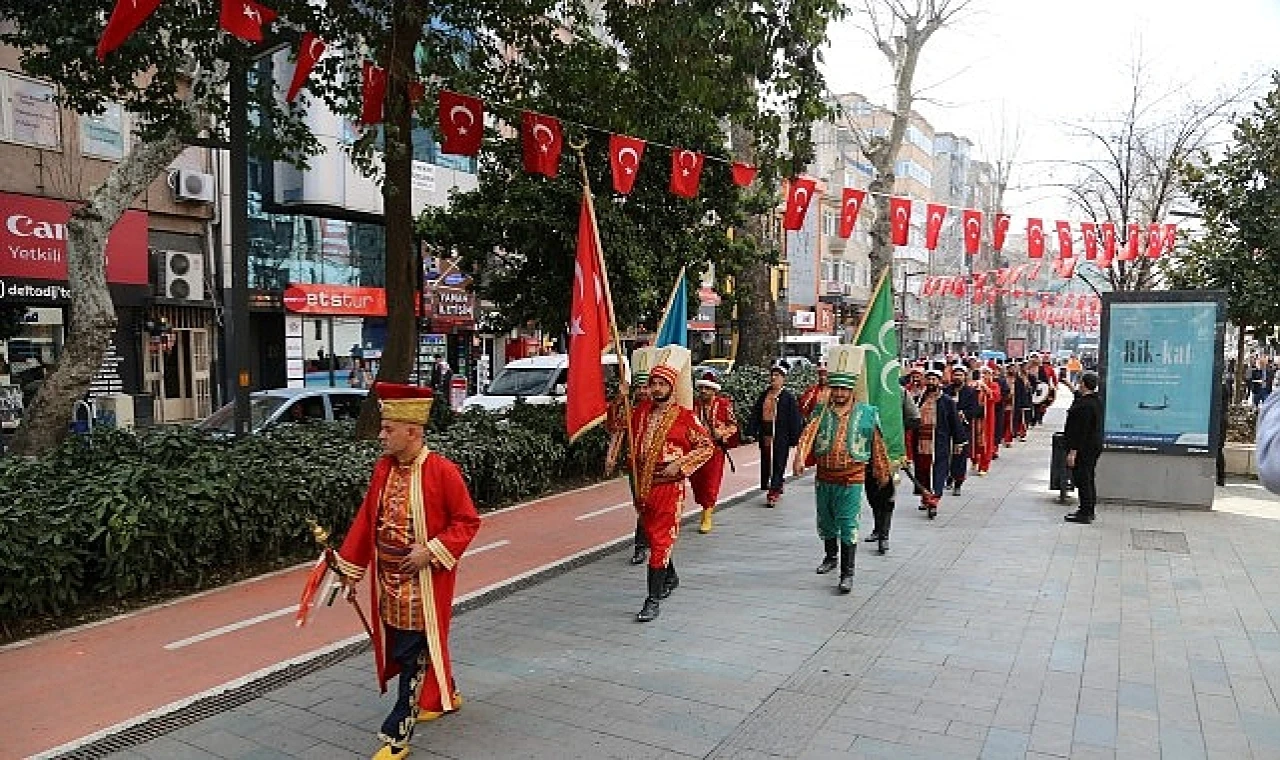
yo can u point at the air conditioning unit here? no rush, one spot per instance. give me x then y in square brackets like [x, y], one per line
[181, 276]
[195, 187]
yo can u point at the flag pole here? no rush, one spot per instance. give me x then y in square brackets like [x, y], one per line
[874, 295]
[608, 299]
[671, 299]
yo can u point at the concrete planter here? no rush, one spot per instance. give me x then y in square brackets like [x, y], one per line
[1240, 459]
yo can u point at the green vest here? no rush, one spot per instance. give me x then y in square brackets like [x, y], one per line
[863, 421]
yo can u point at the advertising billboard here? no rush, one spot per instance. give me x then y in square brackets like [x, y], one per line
[1161, 361]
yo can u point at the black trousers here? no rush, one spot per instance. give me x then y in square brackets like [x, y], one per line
[881, 500]
[641, 540]
[773, 464]
[409, 649]
[1082, 475]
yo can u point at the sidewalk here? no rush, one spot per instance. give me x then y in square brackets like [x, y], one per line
[995, 631]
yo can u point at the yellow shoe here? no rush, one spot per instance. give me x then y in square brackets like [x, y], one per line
[705, 527]
[389, 752]
[425, 716]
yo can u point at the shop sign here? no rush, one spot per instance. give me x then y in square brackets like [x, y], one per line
[804, 320]
[452, 305]
[33, 242]
[338, 300]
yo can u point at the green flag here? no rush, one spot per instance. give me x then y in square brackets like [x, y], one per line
[879, 384]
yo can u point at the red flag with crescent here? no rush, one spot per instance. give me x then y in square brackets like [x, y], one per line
[899, 220]
[624, 160]
[972, 221]
[934, 214]
[541, 139]
[958, 287]
[686, 172]
[850, 206]
[461, 123]
[373, 91]
[1108, 231]
[1131, 243]
[1170, 237]
[309, 51]
[1064, 240]
[125, 19]
[1035, 273]
[743, 174]
[1035, 238]
[1068, 268]
[315, 580]
[245, 19]
[1000, 232]
[585, 402]
[799, 194]
[1090, 234]
[1155, 240]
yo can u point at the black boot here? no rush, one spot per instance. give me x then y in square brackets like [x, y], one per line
[640, 556]
[829, 545]
[657, 576]
[875, 531]
[847, 553]
[886, 516]
[670, 581]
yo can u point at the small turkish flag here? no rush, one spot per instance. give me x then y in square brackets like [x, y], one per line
[245, 19]
[686, 172]
[743, 174]
[1002, 277]
[850, 206]
[461, 123]
[373, 80]
[1155, 240]
[1090, 240]
[1001, 230]
[972, 219]
[899, 220]
[958, 287]
[1035, 273]
[1170, 237]
[1108, 244]
[798, 197]
[1064, 240]
[935, 213]
[1068, 268]
[927, 289]
[1035, 238]
[125, 19]
[540, 135]
[624, 160]
[309, 51]
[1131, 244]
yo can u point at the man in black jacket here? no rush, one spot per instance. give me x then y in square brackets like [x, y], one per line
[1083, 439]
[776, 423]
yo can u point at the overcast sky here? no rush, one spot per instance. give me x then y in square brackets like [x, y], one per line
[1045, 65]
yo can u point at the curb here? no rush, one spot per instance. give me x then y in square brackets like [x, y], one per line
[169, 718]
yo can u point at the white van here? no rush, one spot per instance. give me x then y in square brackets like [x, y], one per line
[536, 380]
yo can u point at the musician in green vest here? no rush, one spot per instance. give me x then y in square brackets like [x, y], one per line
[844, 437]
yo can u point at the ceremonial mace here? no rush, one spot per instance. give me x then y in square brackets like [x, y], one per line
[321, 537]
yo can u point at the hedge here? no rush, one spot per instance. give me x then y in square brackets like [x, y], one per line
[117, 516]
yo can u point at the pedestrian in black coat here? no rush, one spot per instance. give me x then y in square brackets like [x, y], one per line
[776, 424]
[1083, 439]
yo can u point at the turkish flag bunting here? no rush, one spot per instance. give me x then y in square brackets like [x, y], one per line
[373, 80]
[927, 288]
[1001, 230]
[686, 172]
[1035, 238]
[1170, 237]
[542, 141]
[798, 196]
[1131, 244]
[933, 224]
[899, 220]
[125, 19]
[972, 220]
[624, 160]
[850, 207]
[1002, 277]
[309, 51]
[1108, 244]
[1155, 240]
[585, 403]
[743, 174]
[245, 19]
[1035, 273]
[461, 123]
[1090, 234]
[1064, 240]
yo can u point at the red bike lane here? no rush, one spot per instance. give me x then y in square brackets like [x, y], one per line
[71, 685]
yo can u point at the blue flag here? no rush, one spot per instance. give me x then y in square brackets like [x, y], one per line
[674, 328]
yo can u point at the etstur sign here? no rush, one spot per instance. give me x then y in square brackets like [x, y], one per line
[33, 241]
[339, 300]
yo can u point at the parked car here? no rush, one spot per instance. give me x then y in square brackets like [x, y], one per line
[721, 367]
[289, 405]
[536, 380]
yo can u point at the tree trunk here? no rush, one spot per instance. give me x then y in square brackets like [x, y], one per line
[93, 316]
[757, 320]
[403, 276]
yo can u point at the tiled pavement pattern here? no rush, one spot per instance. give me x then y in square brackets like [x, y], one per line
[996, 631]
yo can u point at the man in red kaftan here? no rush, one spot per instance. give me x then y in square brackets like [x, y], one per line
[715, 412]
[416, 520]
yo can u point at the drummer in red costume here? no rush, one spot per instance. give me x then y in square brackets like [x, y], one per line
[715, 412]
[671, 444]
[416, 520]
